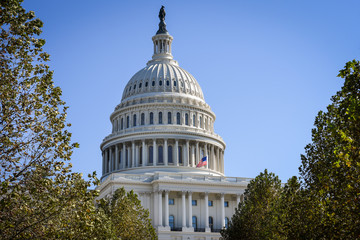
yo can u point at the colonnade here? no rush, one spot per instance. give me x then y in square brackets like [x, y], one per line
[161, 212]
[164, 152]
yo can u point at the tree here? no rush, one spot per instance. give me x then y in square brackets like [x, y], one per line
[255, 217]
[331, 164]
[40, 197]
[297, 212]
[128, 219]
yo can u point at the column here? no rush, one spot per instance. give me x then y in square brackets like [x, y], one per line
[187, 158]
[166, 208]
[206, 154]
[222, 161]
[129, 157]
[192, 155]
[237, 200]
[176, 163]
[103, 163]
[133, 154]
[154, 152]
[222, 196]
[116, 157]
[207, 229]
[137, 156]
[124, 156]
[160, 208]
[106, 160]
[165, 152]
[144, 157]
[218, 159]
[111, 160]
[190, 209]
[155, 207]
[197, 153]
[183, 209]
[212, 158]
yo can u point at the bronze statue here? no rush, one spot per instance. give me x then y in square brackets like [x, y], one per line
[162, 24]
[162, 14]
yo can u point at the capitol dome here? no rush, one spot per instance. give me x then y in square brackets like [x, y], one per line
[163, 147]
[162, 123]
[162, 77]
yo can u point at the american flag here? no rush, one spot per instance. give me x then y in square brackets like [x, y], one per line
[202, 162]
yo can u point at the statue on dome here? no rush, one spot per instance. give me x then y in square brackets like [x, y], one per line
[162, 14]
[162, 25]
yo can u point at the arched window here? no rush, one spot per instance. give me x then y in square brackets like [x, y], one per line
[140, 85]
[178, 118]
[194, 222]
[151, 118]
[146, 84]
[160, 154]
[194, 120]
[160, 83]
[160, 118]
[127, 122]
[226, 222]
[180, 155]
[169, 117]
[174, 83]
[141, 156]
[153, 83]
[151, 154]
[170, 154]
[186, 119]
[134, 120]
[122, 124]
[167, 83]
[211, 223]
[171, 221]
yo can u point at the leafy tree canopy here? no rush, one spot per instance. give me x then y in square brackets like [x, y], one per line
[127, 218]
[254, 218]
[40, 197]
[331, 164]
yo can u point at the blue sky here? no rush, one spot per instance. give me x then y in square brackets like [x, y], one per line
[266, 68]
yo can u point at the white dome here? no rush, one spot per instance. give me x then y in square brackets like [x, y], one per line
[162, 77]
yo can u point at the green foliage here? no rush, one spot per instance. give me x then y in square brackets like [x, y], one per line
[331, 165]
[128, 219]
[254, 218]
[297, 212]
[40, 197]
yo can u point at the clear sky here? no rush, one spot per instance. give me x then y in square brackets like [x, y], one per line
[266, 68]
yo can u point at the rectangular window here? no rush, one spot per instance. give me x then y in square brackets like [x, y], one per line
[211, 203]
[226, 204]
[194, 202]
[171, 201]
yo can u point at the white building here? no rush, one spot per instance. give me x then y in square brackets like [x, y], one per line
[161, 130]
